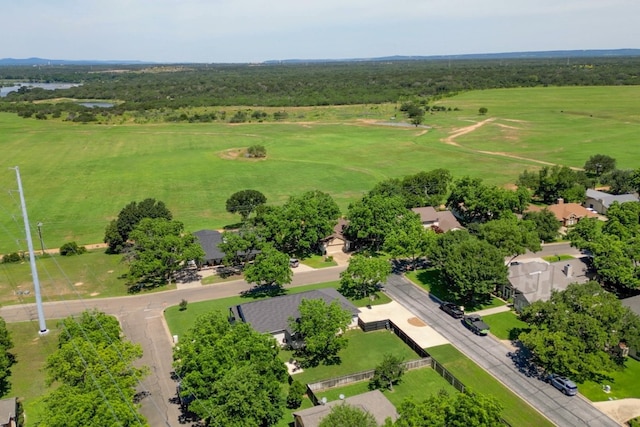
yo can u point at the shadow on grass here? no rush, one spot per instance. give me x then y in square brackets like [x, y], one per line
[263, 291]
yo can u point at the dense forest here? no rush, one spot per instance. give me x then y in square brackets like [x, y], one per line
[171, 87]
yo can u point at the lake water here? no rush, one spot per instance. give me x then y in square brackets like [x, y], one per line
[47, 86]
[96, 104]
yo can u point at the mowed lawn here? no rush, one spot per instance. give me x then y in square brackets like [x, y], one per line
[516, 411]
[77, 177]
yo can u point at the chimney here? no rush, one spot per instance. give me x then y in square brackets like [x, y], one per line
[560, 201]
[568, 271]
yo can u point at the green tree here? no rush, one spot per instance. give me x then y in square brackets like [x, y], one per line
[388, 372]
[298, 227]
[546, 224]
[510, 235]
[322, 326]
[296, 393]
[459, 410]
[256, 150]
[239, 247]
[576, 332]
[560, 182]
[344, 415]
[363, 276]
[470, 267]
[72, 248]
[270, 268]
[223, 364]
[95, 373]
[599, 164]
[6, 358]
[161, 247]
[482, 111]
[245, 202]
[372, 219]
[118, 230]
[409, 239]
[620, 181]
[427, 188]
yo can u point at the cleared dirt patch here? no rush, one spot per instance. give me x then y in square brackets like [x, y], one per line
[414, 321]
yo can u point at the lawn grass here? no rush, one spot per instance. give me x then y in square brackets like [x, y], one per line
[93, 274]
[556, 258]
[429, 279]
[318, 261]
[364, 351]
[624, 384]
[506, 325]
[418, 383]
[516, 411]
[96, 169]
[27, 374]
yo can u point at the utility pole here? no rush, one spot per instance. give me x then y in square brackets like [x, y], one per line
[32, 258]
[39, 225]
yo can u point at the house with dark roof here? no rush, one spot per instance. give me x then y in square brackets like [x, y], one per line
[271, 316]
[633, 303]
[534, 281]
[373, 402]
[9, 412]
[209, 242]
[600, 201]
[442, 221]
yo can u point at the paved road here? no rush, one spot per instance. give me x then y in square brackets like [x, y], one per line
[492, 356]
[142, 321]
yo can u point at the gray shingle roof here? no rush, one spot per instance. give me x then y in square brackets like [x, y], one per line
[272, 315]
[7, 410]
[209, 241]
[633, 303]
[607, 199]
[536, 279]
[373, 402]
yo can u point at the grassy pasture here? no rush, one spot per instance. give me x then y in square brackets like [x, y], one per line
[77, 177]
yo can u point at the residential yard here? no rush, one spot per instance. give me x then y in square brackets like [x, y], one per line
[27, 374]
[516, 411]
[506, 325]
[93, 274]
[319, 261]
[556, 258]
[429, 279]
[180, 321]
[418, 383]
[624, 384]
[365, 351]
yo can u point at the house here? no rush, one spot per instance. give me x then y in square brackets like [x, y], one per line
[567, 213]
[9, 412]
[535, 280]
[634, 305]
[336, 242]
[441, 221]
[600, 201]
[209, 241]
[373, 402]
[271, 316]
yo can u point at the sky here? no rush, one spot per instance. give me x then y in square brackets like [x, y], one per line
[234, 31]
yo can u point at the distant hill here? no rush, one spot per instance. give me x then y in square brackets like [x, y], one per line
[44, 61]
[589, 53]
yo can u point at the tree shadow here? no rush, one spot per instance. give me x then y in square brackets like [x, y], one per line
[263, 291]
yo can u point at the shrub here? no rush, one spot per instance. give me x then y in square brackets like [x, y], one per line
[13, 257]
[296, 392]
[483, 110]
[72, 248]
[257, 151]
[183, 305]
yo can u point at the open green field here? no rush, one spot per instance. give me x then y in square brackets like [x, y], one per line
[77, 177]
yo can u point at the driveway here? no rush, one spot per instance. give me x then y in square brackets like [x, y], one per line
[491, 355]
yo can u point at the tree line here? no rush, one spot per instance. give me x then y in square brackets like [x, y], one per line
[145, 88]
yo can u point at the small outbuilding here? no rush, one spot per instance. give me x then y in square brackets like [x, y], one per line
[9, 412]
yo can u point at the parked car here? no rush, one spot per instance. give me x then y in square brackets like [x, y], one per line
[475, 324]
[563, 384]
[294, 262]
[451, 309]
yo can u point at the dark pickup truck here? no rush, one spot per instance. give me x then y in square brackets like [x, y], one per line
[475, 324]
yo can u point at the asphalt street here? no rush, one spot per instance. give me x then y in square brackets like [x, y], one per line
[491, 355]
